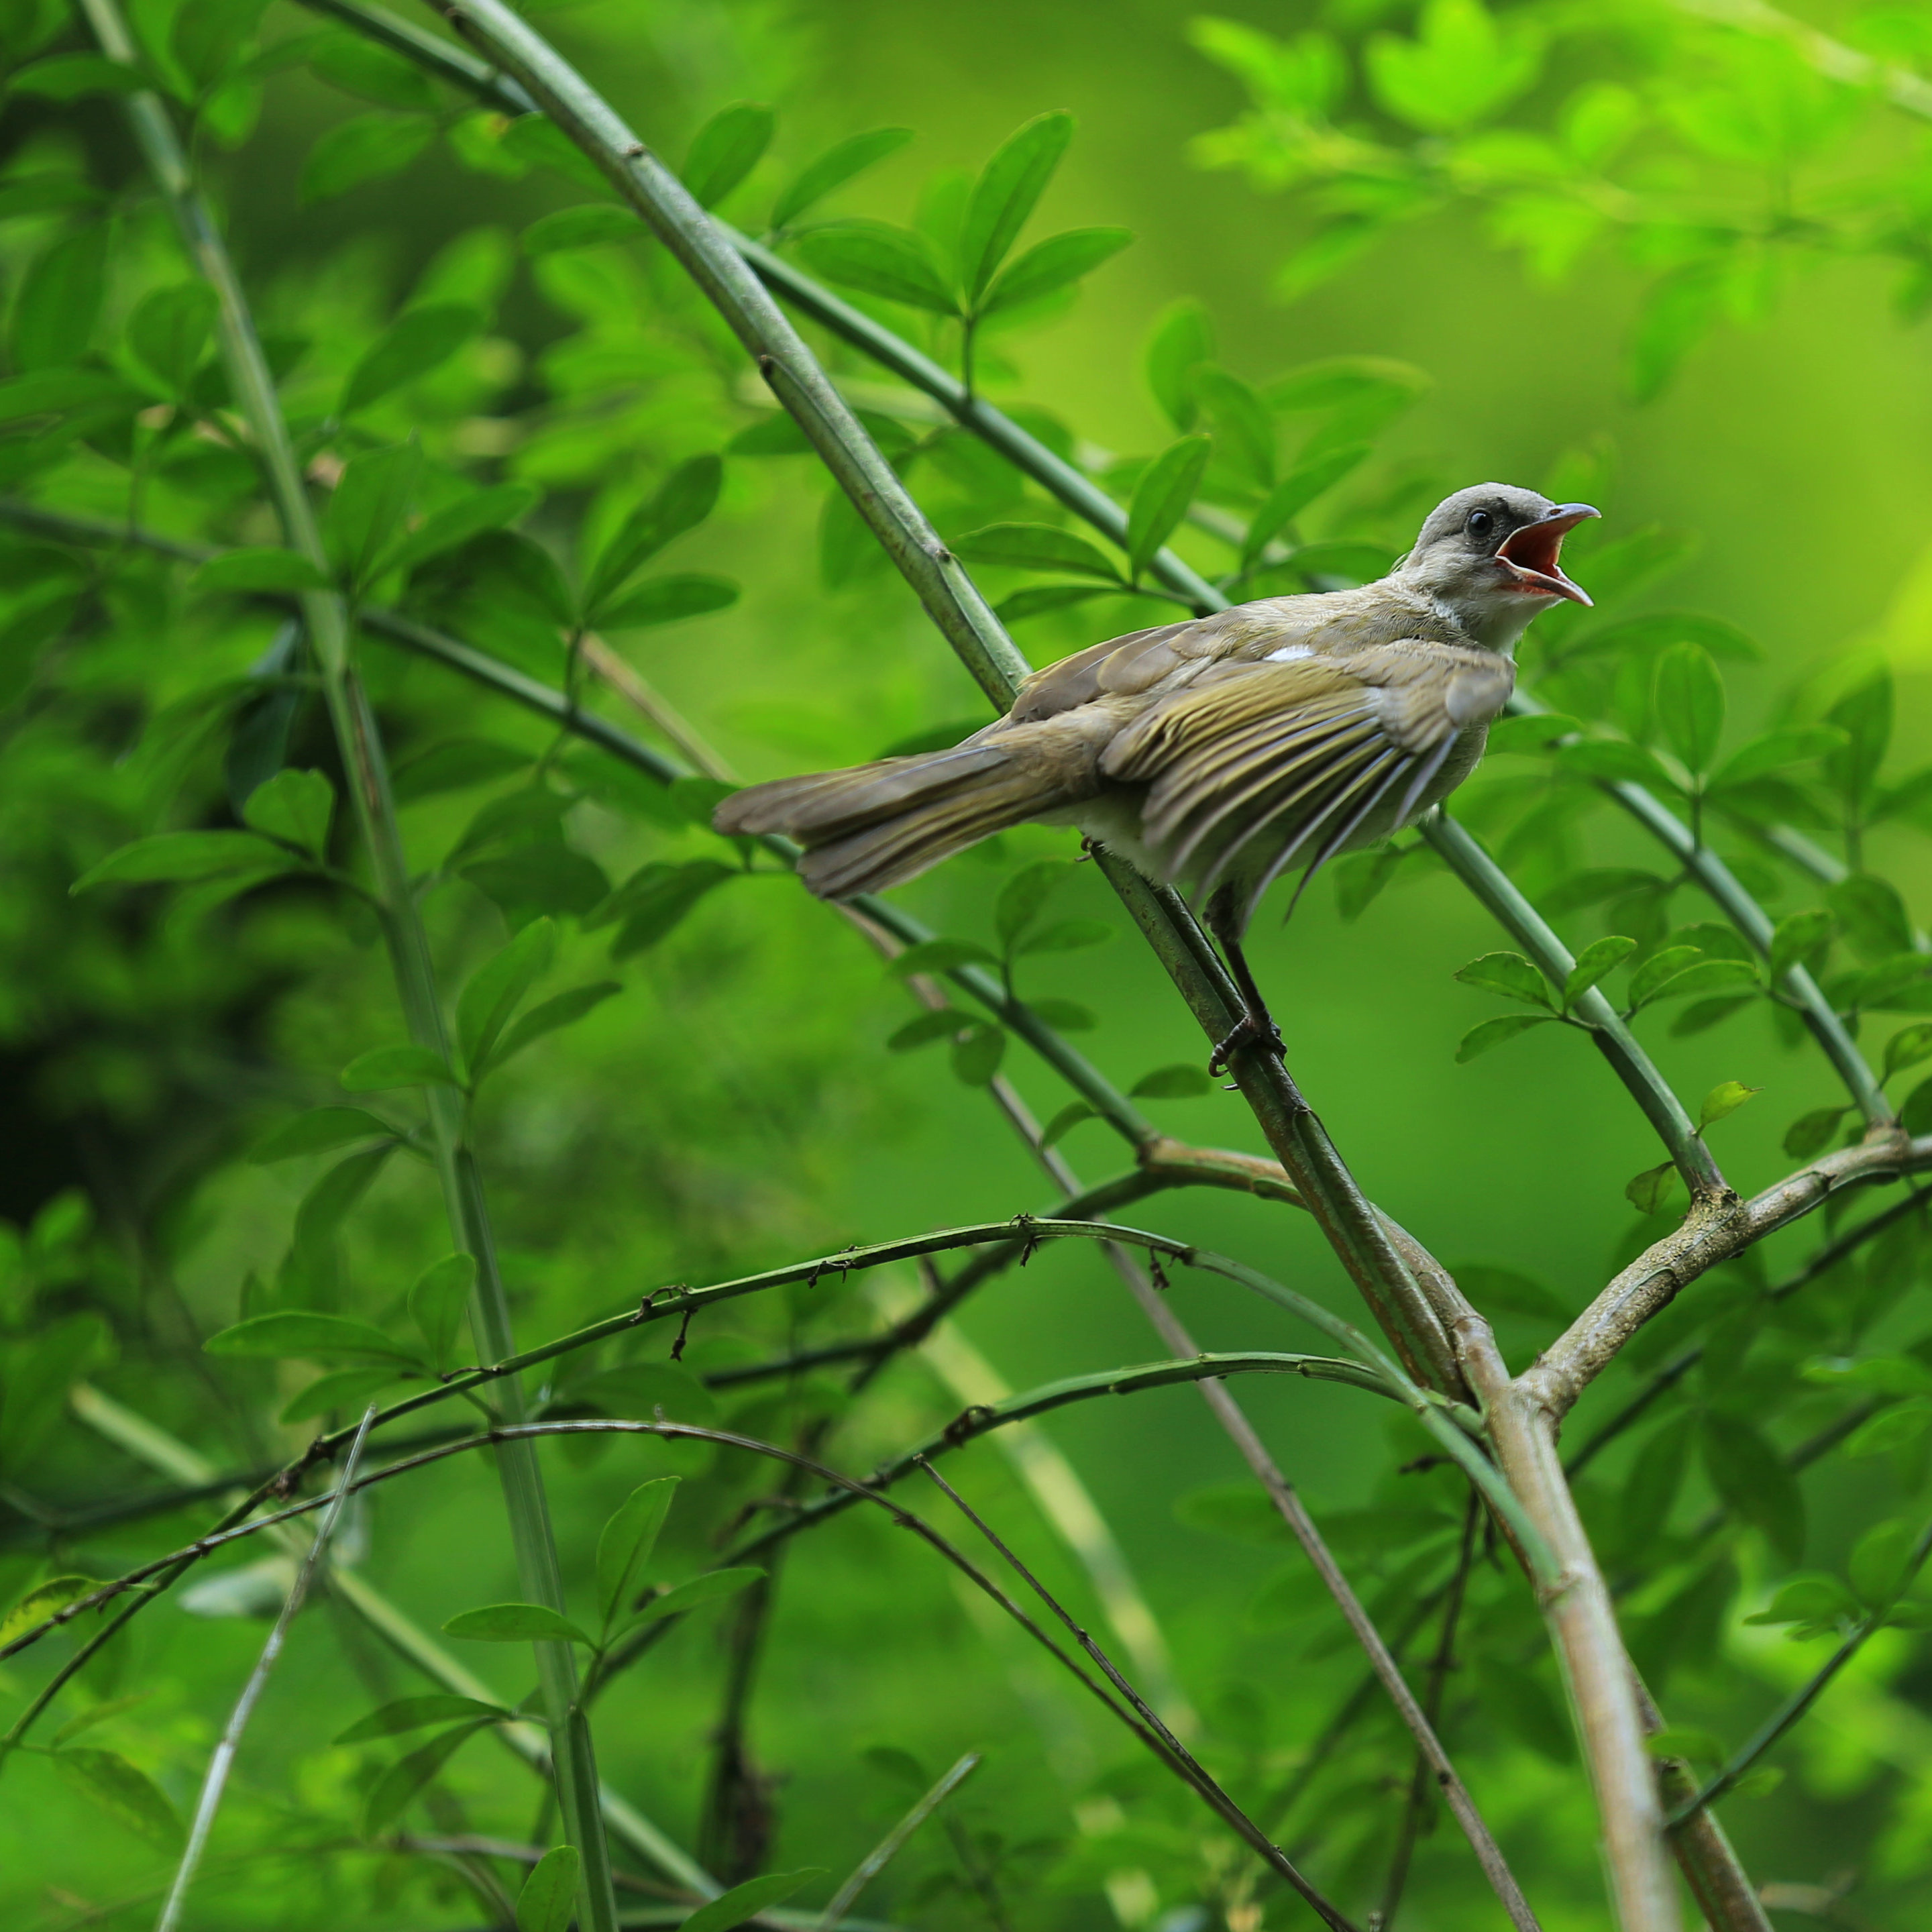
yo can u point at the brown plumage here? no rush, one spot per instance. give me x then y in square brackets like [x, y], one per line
[1221, 751]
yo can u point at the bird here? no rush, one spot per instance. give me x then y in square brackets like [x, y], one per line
[1219, 751]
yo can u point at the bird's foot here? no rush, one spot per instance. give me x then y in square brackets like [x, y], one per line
[1250, 1030]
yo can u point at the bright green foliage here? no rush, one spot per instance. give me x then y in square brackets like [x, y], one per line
[1715, 149]
[529, 440]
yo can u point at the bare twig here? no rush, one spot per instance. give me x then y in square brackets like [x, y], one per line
[215, 1781]
[890, 1847]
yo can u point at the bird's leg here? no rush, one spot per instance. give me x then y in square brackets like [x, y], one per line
[1255, 1027]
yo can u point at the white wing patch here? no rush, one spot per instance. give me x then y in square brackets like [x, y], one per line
[1287, 654]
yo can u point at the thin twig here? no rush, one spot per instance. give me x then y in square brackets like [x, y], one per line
[215, 1782]
[890, 1847]
[1415, 1812]
[1807, 1694]
[1178, 1753]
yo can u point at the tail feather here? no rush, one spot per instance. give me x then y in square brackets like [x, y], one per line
[878, 825]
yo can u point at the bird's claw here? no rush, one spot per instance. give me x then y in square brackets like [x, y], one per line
[1248, 1030]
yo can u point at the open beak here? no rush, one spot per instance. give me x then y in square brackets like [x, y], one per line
[1532, 553]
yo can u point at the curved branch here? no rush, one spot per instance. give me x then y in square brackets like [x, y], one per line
[1712, 1232]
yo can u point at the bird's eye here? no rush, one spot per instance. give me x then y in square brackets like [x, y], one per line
[1480, 523]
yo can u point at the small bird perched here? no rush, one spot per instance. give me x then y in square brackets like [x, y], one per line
[1221, 751]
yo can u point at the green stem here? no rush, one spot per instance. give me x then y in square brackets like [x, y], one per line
[1801, 1699]
[1633, 1066]
[1721, 885]
[326, 617]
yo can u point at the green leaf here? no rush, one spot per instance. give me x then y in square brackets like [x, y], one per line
[497, 989]
[941, 1023]
[70, 77]
[1726, 1098]
[370, 147]
[1063, 1123]
[549, 1896]
[514, 1623]
[1599, 957]
[1649, 1191]
[1182, 1081]
[294, 807]
[1706, 976]
[170, 332]
[1492, 1033]
[1755, 1482]
[627, 1541]
[1877, 1564]
[709, 1588]
[1797, 941]
[347, 1389]
[42, 1601]
[1050, 266]
[1462, 66]
[941, 955]
[171, 857]
[371, 72]
[1865, 716]
[977, 1052]
[551, 1016]
[389, 1066]
[127, 1795]
[1817, 1598]
[369, 512]
[1009, 188]
[457, 523]
[597, 224]
[393, 1790]
[1034, 547]
[687, 497]
[1773, 752]
[1811, 1133]
[732, 1908]
[265, 568]
[53, 391]
[1064, 1016]
[1908, 1047]
[1037, 599]
[1678, 1742]
[1613, 760]
[1662, 965]
[1890, 1428]
[413, 1714]
[438, 1302]
[1023, 897]
[537, 141]
[458, 764]
[891, 263]
[1161, 498]
[1066, 935]
[319, 1131]
[833, 168]
[1244, 434]
[60, 301]
[1510, 974]
[1541, 733]
[654, 900]
[419, 340]
[1872, 916]
[666, 600]
[726, 149]
[1182, 341]
[1293, 494]
[1503, 1290]
[315, 1337]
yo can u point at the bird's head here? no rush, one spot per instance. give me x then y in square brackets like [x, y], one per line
[1491, 553]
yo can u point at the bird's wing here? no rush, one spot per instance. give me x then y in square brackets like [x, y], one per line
[1308, 747]
[1126, 666]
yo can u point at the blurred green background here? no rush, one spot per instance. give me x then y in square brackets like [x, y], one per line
[736, 1106]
